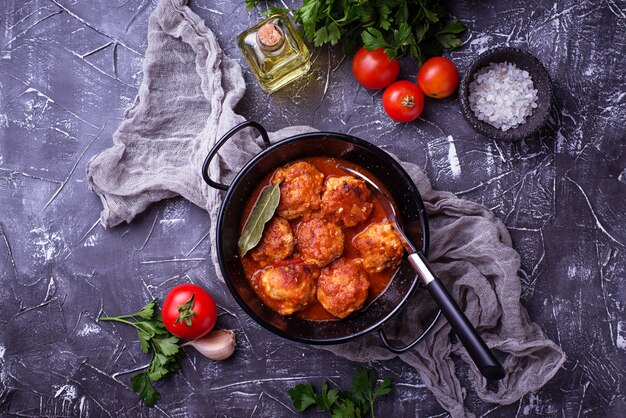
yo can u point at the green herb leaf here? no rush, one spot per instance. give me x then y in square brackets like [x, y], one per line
[420, 32]
[321, 36]
[363, 385]
[302, 396]
[343, 405]
[328, 397]
[430, 15]
[167, 345]
[448, 41]
[157, 368]
[147, 328]
[333, 33]
[276, 10]
[147, 311]
[346, 409]
[373, 39]
[152, 336]
[144, 340]
[262, 212]
[384, 388]
[140, 383]
[307, 15]
[251, 4]
[453, 27]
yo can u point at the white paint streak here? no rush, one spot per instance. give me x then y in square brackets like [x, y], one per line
[52, 287]
[533, 401]
[453, 158]
[482, 43]
[490, 160]
[2, 351]
[571, 272]
[88, 329]
[170, 222]
[620, 341]
[593, 213]
[48, 244]
[81, 407]
[66, 392]
[92, 240]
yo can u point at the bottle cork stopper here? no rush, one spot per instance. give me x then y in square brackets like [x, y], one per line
[269, 34]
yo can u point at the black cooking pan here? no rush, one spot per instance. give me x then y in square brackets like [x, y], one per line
[412, 218]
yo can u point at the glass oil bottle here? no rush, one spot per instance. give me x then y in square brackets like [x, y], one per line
[275, 52]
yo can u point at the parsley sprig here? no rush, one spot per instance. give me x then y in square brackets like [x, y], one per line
[354, 404]
[416, 27]
[155, 338]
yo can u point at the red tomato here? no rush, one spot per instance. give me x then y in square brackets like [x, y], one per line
[373, 69]
[403, 101]
[189, 311]
[438, 77]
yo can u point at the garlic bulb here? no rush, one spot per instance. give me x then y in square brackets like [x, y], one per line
[218, 344]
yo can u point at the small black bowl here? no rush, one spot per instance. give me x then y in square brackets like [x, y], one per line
[541, 82]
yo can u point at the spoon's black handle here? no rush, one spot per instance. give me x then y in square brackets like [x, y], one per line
[475, 346]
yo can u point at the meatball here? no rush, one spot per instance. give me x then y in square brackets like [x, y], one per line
[300, 189]
[379, 246]
[342, 287]
[346, 200]
[291, 288]
[276, 243]
[319, 242]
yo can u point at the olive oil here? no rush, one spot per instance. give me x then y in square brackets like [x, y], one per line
[275, 52]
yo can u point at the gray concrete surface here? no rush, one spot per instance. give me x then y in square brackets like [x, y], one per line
[69, 69]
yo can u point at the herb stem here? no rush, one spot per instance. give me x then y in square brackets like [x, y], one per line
[118, 319]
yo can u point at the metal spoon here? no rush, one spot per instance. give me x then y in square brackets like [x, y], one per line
[479, 352]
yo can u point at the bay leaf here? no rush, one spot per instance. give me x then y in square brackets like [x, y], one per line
[261, 213]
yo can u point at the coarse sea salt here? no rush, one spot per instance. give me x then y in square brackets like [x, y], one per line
[502, 95]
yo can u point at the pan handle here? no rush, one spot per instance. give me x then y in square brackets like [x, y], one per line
[482, 356]
[400, 350]
[222, 141]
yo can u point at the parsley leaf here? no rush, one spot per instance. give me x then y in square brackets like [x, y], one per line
[448, 41]
[140, 383]
[276, 10]
[302, 396]
[346, 409]
[373, 38]
[251, 4]
[328, 397]
[153, 336]
[147, 311]
[364, 385]
[167, 345]
[355, 404]
[453, 27]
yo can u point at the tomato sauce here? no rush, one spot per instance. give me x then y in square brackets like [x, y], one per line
[378, 281]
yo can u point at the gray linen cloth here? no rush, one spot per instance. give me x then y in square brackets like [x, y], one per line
[185, 103]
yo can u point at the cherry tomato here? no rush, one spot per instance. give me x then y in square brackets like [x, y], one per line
[373, 69]
[189, 311]
[403, 101]
[438, 77]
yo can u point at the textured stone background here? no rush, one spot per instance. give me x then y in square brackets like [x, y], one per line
[68, 69]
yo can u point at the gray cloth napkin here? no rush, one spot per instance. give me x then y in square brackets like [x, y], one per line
[185, 103]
